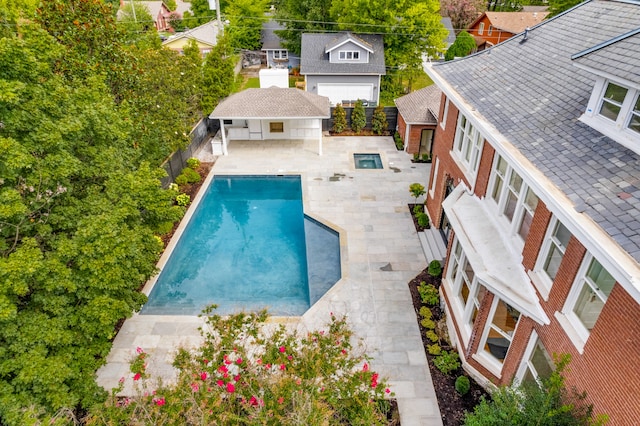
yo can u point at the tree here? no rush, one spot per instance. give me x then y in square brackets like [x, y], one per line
[358, 117]
[300, 16]
[462, 12]
[547, 403]
[247, 374]
[556, 7]
[463, 45]
[201, 13]
[339, 119]
[217, 75]
[138, 27]
[379, 121]
[245, 23]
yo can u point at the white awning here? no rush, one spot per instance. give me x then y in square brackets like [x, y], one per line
[496, 264]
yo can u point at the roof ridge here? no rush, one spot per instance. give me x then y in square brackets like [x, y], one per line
[606, 43]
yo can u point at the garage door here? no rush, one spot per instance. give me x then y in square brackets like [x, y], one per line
[339, 92]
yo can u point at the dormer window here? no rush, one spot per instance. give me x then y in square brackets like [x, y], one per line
[612, 101]
[634, 121]
[349, 55]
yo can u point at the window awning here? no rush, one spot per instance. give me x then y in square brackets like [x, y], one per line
[496, 264]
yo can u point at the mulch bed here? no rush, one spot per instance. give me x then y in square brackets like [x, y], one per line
[452, 405]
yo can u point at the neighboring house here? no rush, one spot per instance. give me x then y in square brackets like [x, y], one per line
[271, 113]
[536, 181]
[205, 36]
[159, 12]
[344, 67]
[276, 56]
[418, 118]
[492, 28]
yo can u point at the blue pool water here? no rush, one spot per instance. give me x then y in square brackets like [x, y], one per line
[367, 161]
[245, 248]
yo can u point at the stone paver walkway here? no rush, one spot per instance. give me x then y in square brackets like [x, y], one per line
[381, 252]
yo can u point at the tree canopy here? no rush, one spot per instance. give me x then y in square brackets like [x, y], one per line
[463, 45]
[87, 115]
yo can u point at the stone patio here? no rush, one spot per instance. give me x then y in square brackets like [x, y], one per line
[381, 252]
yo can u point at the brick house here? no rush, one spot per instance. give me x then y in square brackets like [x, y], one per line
[535, 183]
[418, 118]
[492, 28]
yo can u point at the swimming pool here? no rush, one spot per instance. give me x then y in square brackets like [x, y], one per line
[245, 248]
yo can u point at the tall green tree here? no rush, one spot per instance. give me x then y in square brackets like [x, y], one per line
[217, 75]
[300, 16]
[464, 45]
[245, 23]
[556, 7]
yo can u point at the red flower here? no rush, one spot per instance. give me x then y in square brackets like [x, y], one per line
[282, 349]
[139, 350]
[236, 378]
[204, 375]
[160, 401]
[387, 390]
[239, 361]
[253, 400]
[223, 369]
[137, 377]
[231, 388]
[220, 383]
[374, 380]
[206, 361]
[283, 367]
[195, 387]
[365, 367]
[290, 357]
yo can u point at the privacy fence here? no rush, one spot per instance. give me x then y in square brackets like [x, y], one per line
[391, 113]
[200, 135]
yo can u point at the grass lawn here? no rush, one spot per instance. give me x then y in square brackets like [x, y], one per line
[251, 83]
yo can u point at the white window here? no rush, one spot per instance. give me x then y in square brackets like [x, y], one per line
[445, 112]
[498, 333]
[468, 145]
[536, 363]
[280, 54]
[349, 55]
[466, 288]
[553, 249]
[588, 296]
[515, 200]
[481, 28]
[634, 120]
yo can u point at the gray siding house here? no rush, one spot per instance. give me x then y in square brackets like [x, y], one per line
[342, 66]
[277, 56]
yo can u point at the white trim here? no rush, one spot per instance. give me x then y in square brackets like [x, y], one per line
[352, 40]
[491, 360]
[570, 331]
[434, 179]
[526, 357]
[624, 268]
[445, 112]
[540, 277]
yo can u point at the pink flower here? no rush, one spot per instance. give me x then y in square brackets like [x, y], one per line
[236, 378]
[387, 390]
[160, 401]
[231, 388]
[139, 350]
[283, 367]
[374, 380]
[259, 361]
[280, 400]
[343, 352]
[365, 367]
[253, 400]
[204, 375]
[220, 383]
[195, 387]
[282, 349]
[205, 361]
[290, 357]
[239, 361]
[298, 382]
[137, 377]
[121, 380]
[223, 369]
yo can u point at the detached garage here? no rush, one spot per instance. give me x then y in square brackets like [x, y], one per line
[272, 113]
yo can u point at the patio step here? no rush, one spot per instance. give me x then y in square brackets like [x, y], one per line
[433, 245]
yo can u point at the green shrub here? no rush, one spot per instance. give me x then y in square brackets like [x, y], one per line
[431, 335]
[423, 220]
[358, 117]
[428, 323]
[183, 200]
[463, 385]
[447, 362]
[426, 157]
[416, 157]
[398, 141]
[435, 268]
[339, 119]
[191, 175]
[193, 163]
[418, 208]
[429, 293]
[425, 312]
[434, 349]
[181, 180]
[379, 120]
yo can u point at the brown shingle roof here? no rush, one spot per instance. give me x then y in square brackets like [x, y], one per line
[273, 102]
[515, 22]
[421, 106]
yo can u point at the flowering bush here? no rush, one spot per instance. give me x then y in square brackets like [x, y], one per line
[249, 372]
